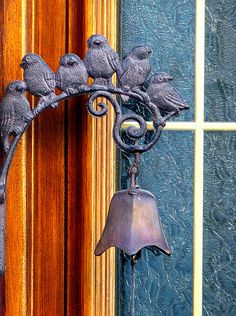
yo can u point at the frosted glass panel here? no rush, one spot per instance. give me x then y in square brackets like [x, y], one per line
[168, 28]
[220, 64]
[164, 284]
[219, 293]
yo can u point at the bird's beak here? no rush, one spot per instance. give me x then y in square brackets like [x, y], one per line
[71, 62]
[170, 77]
[21, 87]
[149, 51]
[97, 42]
[22, 64]
[62, 63]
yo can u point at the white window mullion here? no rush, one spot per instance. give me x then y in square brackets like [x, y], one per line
[198, 158]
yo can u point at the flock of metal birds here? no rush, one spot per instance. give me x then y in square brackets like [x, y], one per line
[100, 63]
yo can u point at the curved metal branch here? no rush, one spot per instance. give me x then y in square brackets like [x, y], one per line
[7, 162]
[3, 181]
[132, 132]
[95, 92]
[135, 148]
[85, 90]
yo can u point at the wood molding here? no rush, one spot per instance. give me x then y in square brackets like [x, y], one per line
[12, 48]
[45, 172]
[96, 293]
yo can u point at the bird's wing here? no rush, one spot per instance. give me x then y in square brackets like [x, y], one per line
[58, 78]
[22, 110]
[49, 77]
[127, 61]
[7, 115]
[172, 95]
[114, 61]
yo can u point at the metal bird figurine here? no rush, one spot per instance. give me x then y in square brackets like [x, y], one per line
[101, 61]
[133, 221]
[15, 112]
[39, 77]
[136, 68]
[164, 96]
[71, 75]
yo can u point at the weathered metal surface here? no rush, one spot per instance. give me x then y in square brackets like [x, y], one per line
[14, 112]
[71, 75]
[133, 223]
[164, 96]
[101, 63]
[2, 238]
[39, 77]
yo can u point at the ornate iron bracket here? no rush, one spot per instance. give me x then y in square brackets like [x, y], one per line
[101, 63]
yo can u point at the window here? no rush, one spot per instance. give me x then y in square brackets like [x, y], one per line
[192, 169]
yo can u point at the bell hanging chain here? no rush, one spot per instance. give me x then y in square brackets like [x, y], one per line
[133, 290]
[101, 62]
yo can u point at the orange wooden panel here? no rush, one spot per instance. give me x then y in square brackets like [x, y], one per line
[79, 173]
[2, 295]
[57, 195]
[90, 280]
[100, 17]
[12, 47]
[47, 207]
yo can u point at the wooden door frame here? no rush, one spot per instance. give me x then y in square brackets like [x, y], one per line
[99, 164]
[81, 147]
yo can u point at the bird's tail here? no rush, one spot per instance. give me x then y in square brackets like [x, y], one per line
[184, 106]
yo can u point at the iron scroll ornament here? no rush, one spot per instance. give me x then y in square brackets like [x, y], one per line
[101, 62]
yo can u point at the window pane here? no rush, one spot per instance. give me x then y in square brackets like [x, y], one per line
[220, 65]
[219, 224]
[168, 28]
[164, 284]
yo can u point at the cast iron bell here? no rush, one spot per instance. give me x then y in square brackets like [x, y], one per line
[133, 223]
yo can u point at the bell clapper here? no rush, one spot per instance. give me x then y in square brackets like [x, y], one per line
[134, 172]
[134, 259]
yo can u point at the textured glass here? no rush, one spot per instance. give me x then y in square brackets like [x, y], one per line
[168, 28]
[219, 293]
[163, 285]
[220, 65]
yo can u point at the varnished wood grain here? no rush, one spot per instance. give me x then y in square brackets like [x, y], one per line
[91, 160]
[13, 46]
[100, 17]
[2, 295]
[47, 213]
[78, 179]
[66, 166]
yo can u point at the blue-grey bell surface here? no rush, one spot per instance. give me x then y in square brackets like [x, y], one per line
[133, 223]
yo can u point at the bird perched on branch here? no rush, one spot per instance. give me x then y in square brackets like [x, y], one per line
[15, 112]
[136, 68]
[164, 96]
[71, 74]
[39, 77]
[101, 61]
